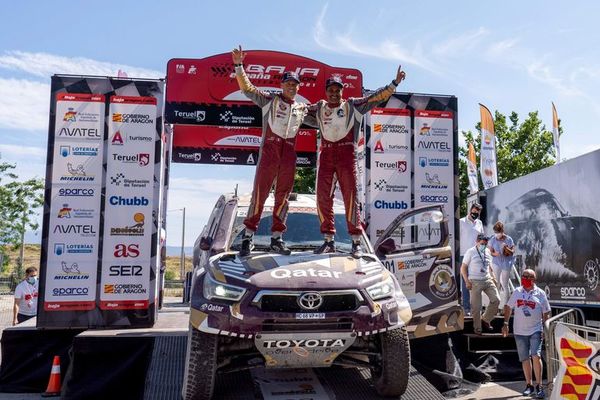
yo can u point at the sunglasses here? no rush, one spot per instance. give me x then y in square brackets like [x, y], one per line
[528, 276]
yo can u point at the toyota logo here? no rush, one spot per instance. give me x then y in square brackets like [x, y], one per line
[310, 301]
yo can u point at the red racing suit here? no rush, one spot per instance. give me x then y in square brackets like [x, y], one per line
[277, 156]
[340, 129]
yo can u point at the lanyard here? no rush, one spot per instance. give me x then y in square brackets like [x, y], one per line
[483, 260]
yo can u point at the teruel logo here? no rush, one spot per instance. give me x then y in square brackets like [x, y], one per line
[197, 115]
[126, 251]
[67, 192]
[132, 118]
[390, 205]
[434, 199]
[128, 201]
[400, 166]
[125, 270]
[434, 145]
[70, 291]
[142, 159]
[134, 230]
[89, 133]
[82, 229]
[194, 156]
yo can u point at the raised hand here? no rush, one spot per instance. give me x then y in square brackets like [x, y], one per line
[238, 55]
[400, 75]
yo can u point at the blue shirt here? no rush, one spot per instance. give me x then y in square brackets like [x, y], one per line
[501, 260]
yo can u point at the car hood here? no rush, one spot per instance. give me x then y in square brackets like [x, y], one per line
[299, 271]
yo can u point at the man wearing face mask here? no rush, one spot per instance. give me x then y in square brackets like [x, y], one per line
[282, 117]
[476, 271]
[26, 296]
[531, 311]
[470, 227]
[339, 120]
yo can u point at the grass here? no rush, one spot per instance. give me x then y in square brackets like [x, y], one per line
[33, 252]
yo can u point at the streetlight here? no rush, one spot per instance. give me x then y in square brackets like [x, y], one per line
[182, 261]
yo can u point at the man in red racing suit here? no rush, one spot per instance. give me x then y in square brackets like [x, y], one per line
[339, 123]
[282, 117]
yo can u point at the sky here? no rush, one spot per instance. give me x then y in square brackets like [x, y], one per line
[511, 56]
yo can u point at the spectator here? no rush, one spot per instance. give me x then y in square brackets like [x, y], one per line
[470, 227]
[26, 296]
[531, 311]
[502, 248]
[476, 270]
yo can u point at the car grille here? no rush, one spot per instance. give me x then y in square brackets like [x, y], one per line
[339, 324]
[287, 302]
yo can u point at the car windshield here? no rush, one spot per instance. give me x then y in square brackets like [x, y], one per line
[303, 232]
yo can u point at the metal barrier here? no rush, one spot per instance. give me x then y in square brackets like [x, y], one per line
[572, 318]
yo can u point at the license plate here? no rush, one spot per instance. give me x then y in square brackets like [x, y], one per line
[310, 315]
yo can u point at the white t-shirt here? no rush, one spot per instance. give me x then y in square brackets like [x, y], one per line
[27, 294]
[468, 233]
[529, 308]
[478, 264]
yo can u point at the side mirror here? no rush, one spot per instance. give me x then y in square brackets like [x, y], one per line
[205, 243]
[386, 247]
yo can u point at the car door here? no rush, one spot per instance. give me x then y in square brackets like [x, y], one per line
[415, 248]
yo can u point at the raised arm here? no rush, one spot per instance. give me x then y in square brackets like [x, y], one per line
[365, 104]
[259, 97]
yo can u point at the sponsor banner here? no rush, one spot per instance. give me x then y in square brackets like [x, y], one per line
[129, 203]
[487, 155]
[219, 137]
[231, 156]
[70, 283]
[79, 117]
[434, 170]
[391, 167]
[204, 93]
[77, 162]
[472, 170]
[578, 375]
[555, 132]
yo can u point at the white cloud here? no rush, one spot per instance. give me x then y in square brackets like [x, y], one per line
[22, 152]
[543, 73]
[45, 65]
[24, 104]
[346, 44]
[455, 46]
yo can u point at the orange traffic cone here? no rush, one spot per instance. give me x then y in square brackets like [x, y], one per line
[53, 388]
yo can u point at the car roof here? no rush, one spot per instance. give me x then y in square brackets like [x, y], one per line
[297, 203]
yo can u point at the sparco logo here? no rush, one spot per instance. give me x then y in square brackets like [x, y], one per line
[69, 291]
[572, 292]
[391, 205]
[197, 116]
[310, 301]
[76, 192]
[284, 344]
[434, 199]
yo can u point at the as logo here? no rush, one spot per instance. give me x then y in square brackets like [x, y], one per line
[117, 139]
[123, 250]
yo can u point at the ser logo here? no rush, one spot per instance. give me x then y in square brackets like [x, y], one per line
[125, 270]
[126, 251]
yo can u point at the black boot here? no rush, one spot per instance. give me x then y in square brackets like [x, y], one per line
[247, 246]
[278, 246]
[328, 246]
[356, 250]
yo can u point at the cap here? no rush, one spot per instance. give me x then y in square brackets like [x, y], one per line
[482, 236]
[334, 80]
[290, 75]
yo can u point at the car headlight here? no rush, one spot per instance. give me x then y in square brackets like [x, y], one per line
[382, 290]
[218, 290]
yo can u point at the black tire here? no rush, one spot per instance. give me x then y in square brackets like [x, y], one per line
[200, 365]
[591, 272]
[391, 374]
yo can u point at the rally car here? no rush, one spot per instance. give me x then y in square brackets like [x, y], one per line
[301, 310]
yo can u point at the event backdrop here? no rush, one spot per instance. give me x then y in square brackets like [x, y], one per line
[102, 210]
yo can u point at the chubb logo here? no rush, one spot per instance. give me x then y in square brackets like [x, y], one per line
[128, 201]
[390, 205]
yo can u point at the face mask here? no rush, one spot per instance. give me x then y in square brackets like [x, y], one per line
[32, 279]
[474, 215]
[527, 283]
[482, 248]
[498, 236]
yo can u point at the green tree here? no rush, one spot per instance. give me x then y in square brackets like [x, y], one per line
[18, 204]
[521, 148]
[304, 181]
